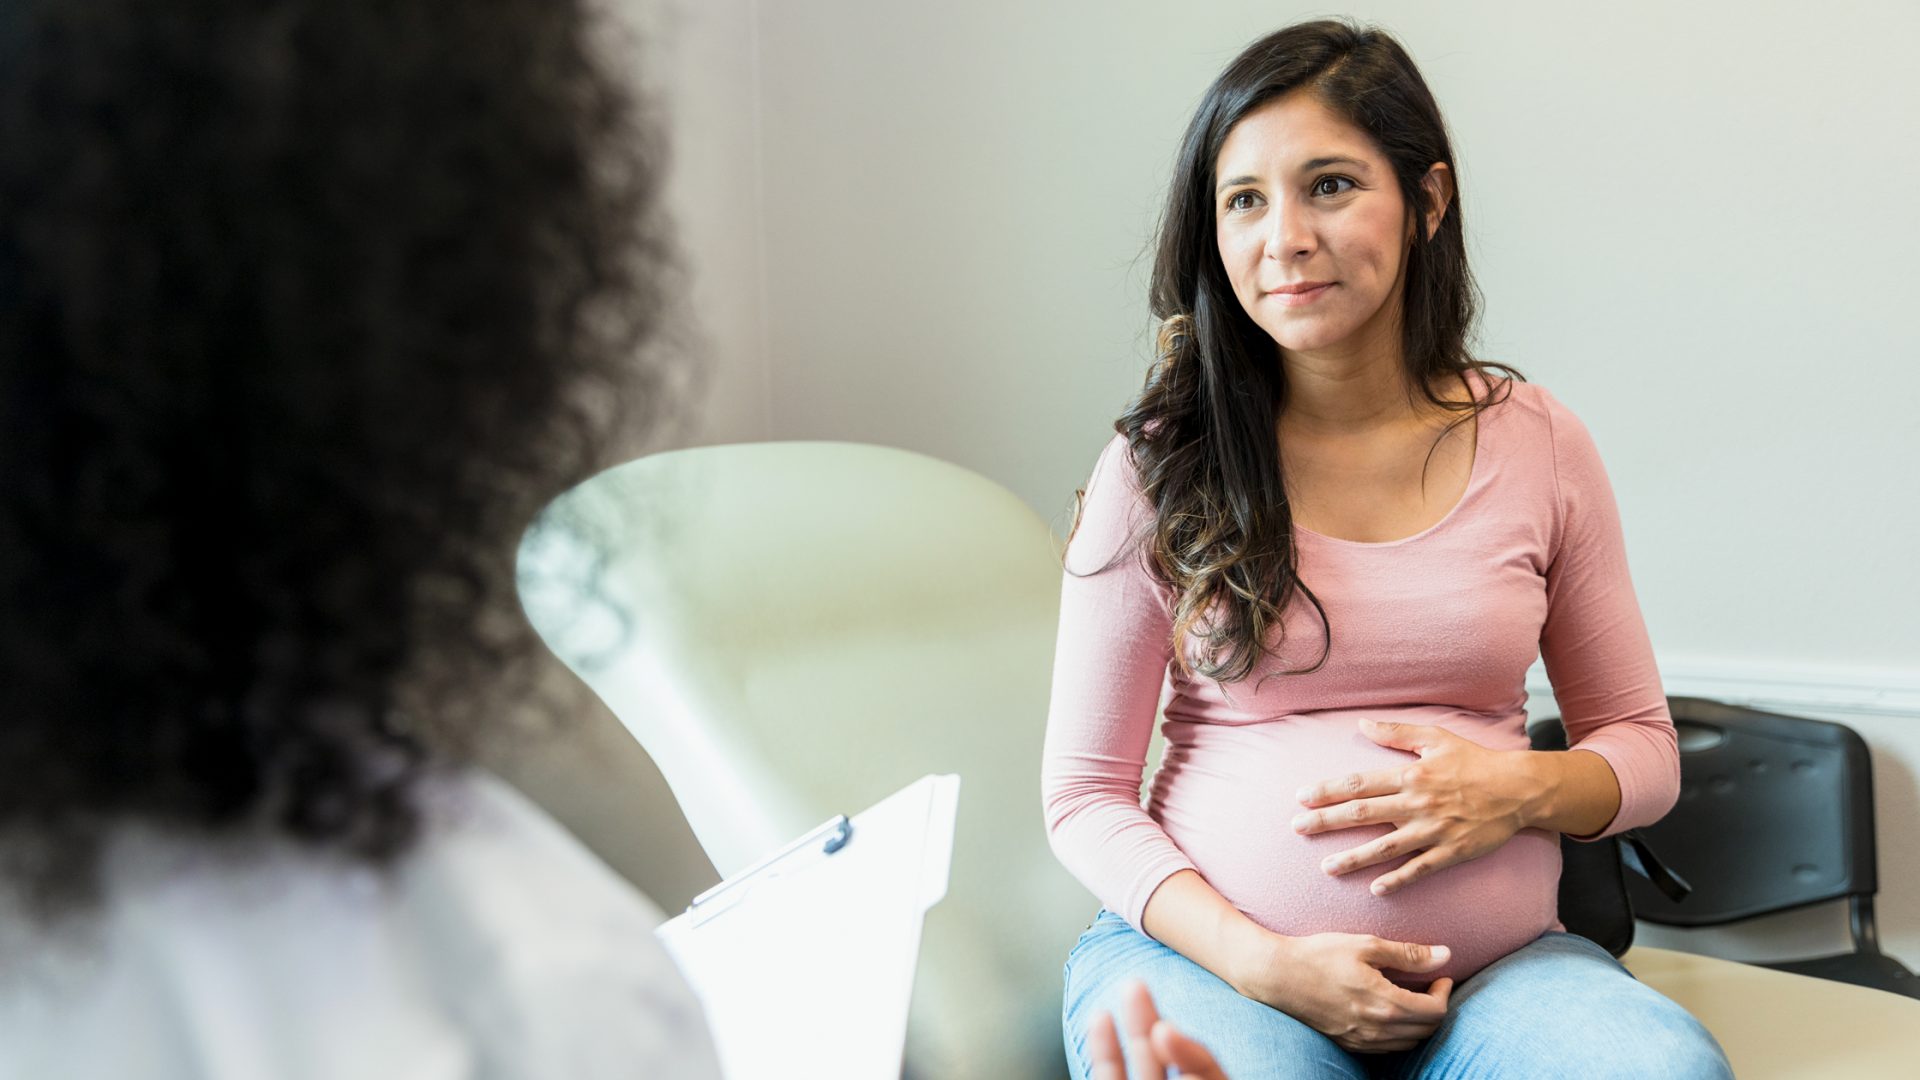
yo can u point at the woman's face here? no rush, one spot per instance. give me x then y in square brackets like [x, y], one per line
[1304, 198]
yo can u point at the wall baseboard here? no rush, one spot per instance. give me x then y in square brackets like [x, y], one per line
[1786, 688]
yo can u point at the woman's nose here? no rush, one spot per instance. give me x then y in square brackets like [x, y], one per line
[1288, 233]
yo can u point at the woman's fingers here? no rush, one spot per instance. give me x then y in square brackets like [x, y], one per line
[1141, 1017]
[1418, 1007]
[1425, 1012]
[1351, 786]
[1177, 1050]
[1395, 1035]
[1103, 1043]
[1401, 841]
[1436, 858]
[1154, 1044]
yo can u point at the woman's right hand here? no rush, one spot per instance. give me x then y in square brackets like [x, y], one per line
[1333, 984]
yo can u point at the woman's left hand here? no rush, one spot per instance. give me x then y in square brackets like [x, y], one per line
[1458, 802]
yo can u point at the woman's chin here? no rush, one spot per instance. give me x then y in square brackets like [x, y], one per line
[1308, 334]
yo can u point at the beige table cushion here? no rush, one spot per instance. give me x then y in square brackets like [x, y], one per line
[1774, 1024]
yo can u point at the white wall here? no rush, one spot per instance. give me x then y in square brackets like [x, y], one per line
[706, 73]
[1693, 222]
[926, 225]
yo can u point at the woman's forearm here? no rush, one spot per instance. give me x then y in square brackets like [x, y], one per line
[1576, 792]
[1188, 916]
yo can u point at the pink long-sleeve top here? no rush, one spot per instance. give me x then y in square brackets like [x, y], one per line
[1436, 628]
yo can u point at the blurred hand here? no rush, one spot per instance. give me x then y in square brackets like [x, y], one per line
[1154, 1042]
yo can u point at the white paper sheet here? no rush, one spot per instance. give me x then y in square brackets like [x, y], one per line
[805, 963]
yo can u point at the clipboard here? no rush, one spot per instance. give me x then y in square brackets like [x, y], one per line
[804, 962]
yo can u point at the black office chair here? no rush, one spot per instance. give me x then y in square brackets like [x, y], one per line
[1775, 813]
[1593, 898]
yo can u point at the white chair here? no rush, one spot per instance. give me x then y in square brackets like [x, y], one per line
[795, 630]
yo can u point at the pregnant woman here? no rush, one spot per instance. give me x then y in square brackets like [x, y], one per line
[1330, 543]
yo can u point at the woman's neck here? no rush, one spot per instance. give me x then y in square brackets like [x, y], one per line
[1346, 393]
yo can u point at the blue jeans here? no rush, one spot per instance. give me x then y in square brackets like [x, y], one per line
[1557, 1006]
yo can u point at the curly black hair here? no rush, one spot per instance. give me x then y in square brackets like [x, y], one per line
[306, 307]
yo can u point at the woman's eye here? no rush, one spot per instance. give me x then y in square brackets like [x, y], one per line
[1317, 184]
[1242, 200]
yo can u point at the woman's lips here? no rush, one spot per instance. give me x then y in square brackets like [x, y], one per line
[1297, 299]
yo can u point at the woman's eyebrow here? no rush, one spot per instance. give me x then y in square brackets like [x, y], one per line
[1323, 162]
[1308, 166]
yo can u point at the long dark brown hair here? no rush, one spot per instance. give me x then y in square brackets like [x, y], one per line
[1201, 432]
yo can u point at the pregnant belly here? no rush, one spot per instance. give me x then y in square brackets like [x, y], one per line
[1225, 795]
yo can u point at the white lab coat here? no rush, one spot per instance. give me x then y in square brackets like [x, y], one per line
[497, 947]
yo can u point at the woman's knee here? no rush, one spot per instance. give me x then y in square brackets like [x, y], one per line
[1563, 1002]
[1681, 1048]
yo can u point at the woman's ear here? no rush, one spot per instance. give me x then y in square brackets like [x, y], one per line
[1438, 184]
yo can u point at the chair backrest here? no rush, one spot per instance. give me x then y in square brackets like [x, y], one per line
[795, 630]
[1775, 812]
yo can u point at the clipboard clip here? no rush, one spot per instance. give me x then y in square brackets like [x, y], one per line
[829, 838]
